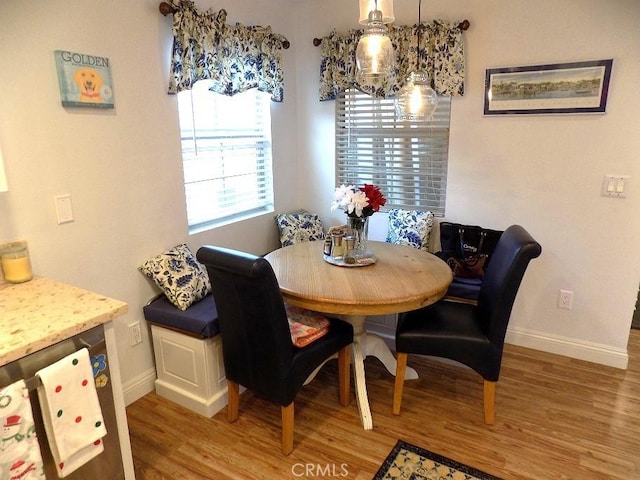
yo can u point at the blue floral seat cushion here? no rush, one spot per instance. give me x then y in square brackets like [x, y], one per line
[179, 275]
[410, 227]
[297, 227]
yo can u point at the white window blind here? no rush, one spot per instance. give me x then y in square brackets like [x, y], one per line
[226, 155]
[407, 161]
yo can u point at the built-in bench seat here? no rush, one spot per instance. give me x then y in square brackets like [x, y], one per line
[188, 354]
[200, 319]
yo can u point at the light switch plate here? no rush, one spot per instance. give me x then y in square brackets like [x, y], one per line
[63, 209]
[614, 186]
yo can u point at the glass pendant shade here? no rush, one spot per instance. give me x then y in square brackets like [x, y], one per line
[375, 56]
[416, 101]
[385, 6]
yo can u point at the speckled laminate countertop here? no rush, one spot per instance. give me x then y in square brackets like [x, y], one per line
[41, 312]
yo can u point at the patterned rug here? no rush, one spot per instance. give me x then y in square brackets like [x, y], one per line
[409, 462]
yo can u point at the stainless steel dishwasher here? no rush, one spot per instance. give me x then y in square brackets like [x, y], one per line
[107, 465]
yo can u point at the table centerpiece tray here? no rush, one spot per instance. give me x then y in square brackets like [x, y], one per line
[357, 261]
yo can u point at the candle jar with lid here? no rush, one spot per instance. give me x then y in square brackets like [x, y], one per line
[16, 264]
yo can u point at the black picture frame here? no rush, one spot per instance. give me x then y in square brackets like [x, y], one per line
[559, 88]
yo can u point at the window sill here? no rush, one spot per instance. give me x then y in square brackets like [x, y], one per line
[223, 222]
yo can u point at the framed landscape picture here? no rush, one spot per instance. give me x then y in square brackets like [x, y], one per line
[569, 88]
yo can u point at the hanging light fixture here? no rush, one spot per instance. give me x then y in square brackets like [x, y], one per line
[416, 101]
[375, 57]
[385, 6]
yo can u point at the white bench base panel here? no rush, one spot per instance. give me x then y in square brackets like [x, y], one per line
[190, 371]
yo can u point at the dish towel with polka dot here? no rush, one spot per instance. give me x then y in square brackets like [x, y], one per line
[19, 448]
[71, 411]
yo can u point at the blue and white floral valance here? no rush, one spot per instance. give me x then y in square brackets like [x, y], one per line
[236, 57]
[441, 57]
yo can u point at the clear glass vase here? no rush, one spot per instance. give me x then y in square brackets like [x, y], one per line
[358, 228]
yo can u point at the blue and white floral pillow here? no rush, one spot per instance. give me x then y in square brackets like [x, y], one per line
[179, 275]
[299, 227]
[410, 227]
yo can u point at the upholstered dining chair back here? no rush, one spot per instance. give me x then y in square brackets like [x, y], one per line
[257, 348]
[515, 249]
[470, 334]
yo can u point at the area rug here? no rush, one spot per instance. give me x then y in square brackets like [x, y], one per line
[409, 462]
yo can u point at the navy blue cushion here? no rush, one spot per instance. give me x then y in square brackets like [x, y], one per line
[468, 288]
[200, 319]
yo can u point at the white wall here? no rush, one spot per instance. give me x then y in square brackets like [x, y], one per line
[543, 172]
[122, 167]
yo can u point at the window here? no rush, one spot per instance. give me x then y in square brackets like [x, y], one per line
[226, 155]
[407, 161]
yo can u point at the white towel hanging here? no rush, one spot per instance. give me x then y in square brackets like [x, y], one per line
[71, 411]
[19, 449]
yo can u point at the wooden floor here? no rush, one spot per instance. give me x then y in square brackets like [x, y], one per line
[556, 418]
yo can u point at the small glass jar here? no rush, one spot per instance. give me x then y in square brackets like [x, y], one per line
[337, 245]
[327, 247]
[16, 264]
[349, 253]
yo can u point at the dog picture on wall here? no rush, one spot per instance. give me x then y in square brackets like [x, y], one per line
[84, 80]
[89, 82]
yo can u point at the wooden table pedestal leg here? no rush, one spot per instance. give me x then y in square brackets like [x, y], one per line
[360, 385]
[377, 347]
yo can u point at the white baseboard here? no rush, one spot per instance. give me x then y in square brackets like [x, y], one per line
[139, 386]
[569, 347]
[144, 383]
[207, 407]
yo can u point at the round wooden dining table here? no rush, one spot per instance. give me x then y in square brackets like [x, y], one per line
[403, 278]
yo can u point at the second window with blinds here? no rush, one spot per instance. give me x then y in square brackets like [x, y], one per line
[408, 161]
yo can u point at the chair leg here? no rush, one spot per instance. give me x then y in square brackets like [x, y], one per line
[287, 428]
[233, 397]
[344, 375]
[401, 365]
[489, 402]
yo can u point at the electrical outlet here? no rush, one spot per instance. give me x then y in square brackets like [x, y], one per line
[135, 335]
[565, 299]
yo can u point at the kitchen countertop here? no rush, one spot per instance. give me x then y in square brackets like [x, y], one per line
[41, 312]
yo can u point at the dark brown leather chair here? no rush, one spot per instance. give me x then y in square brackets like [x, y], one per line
[470, 334]
[256, 342]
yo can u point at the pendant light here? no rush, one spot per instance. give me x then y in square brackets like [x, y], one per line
[385, 6]
[375, 57]
[416, 101]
